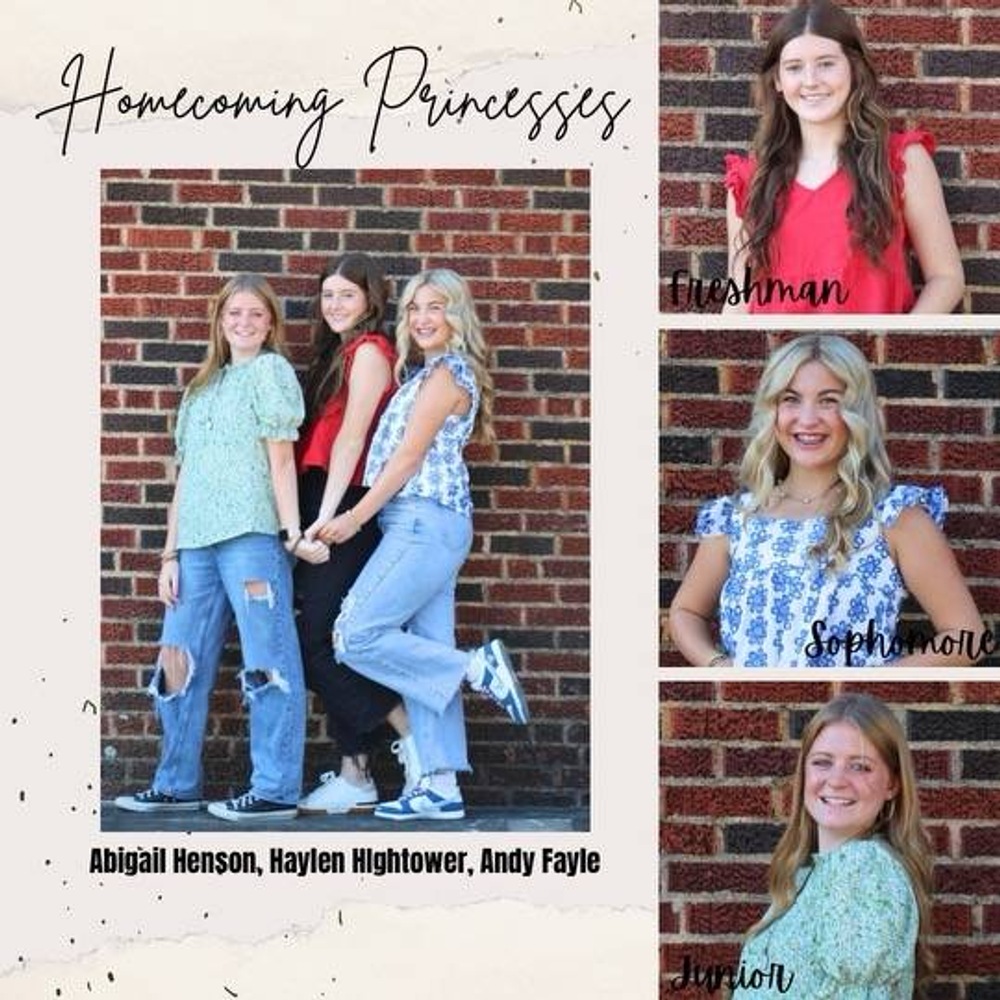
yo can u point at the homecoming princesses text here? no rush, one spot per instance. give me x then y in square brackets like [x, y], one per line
[389, 75]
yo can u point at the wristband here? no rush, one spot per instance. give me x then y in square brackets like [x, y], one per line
[169, 556]
[719, 658]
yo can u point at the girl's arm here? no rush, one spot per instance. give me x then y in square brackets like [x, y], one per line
[694, 605]
[737, 257]
[370, 374]
[168, 586]
[281, 459]
[931, 574]
[438, 398]
[930, 232]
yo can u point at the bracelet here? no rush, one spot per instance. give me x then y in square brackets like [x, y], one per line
[169, 556]
[298, 541]
[358, 523]
[720, 657]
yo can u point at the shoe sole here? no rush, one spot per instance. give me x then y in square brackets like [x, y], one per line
[359, 807]
[404, 817]
[159, 807]
[236, 817]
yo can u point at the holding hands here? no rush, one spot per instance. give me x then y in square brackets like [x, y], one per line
[338, 529]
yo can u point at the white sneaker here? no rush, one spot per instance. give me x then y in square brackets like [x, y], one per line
[335, 794]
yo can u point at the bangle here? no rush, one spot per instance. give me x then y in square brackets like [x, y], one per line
[719, 658]
[170, 555]
[298, 541]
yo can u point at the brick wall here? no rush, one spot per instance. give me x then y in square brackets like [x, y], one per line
[938, 66]
[939, 393]
[521, 237]
[727, 753]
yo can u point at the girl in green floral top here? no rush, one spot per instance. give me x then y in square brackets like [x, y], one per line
[850, 879]
[231, 527]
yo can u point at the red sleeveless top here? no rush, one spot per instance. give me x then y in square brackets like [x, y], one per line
[313, 447]
[816, 267]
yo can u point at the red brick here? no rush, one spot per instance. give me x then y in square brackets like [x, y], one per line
[900, 30]
[210, 193]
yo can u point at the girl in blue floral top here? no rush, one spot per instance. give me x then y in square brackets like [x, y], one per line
[232, 524]
[397, 623]
[809, 564]
[850, 880]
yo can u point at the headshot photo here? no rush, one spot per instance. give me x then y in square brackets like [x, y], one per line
[345, 473]
[828, 840]
[827, 499]
[823, 157]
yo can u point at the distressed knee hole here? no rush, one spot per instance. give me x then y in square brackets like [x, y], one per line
[256, 680]
[258, 590]
[173, 672]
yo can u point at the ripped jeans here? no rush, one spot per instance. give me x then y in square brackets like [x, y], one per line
[397, 623]
[250, 578]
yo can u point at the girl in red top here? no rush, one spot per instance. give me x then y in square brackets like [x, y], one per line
[821, 216]
[347, 385]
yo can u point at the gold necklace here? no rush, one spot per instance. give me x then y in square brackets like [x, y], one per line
[782, 494]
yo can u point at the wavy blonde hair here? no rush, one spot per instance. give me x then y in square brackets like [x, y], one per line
[218, 353]
[466, 337]
[863, 470]
[899, 825]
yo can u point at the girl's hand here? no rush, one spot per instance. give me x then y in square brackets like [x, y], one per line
[168, 587]
[312, 551]
[340, 529]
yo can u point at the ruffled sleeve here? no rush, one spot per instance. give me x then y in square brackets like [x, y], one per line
[460, 372]
[898, 141]
[864, 889]
[715, 517]
[739, 170]
[933, 499]
[277, 398]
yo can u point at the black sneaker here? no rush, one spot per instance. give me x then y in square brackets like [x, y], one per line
[151, 801]
[250, 806]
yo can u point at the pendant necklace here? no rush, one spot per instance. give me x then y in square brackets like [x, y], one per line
[782, 494]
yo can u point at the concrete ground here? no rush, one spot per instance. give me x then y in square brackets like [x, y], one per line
[487, 819]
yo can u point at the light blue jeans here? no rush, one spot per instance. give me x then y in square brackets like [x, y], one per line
[248, 577]
[397, 623]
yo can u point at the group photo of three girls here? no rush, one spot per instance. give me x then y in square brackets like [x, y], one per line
[327, 510]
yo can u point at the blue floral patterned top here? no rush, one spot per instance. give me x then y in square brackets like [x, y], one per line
[443, 476]
[782, 607]
[850, 934]
[222, 433]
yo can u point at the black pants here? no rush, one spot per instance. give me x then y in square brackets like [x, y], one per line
[354, 704]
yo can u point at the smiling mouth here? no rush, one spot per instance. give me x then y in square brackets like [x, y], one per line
[809, 440]
[834, 800]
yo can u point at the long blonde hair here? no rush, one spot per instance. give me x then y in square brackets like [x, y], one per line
[218, 353]
[898, 823]
[863, 470]
[466, 337]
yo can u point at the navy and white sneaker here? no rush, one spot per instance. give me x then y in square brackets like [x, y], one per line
[491, 673]
[422, 802]
[152, 801]
[249, 807]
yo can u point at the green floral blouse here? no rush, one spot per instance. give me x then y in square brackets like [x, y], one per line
[222, 434]
[850, 934]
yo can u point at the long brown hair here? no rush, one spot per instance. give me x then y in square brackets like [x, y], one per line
[777, 145]
[218, 353]
[325, 373]
[899, 824]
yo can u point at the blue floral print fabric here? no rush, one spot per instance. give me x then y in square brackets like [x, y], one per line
[782, 606]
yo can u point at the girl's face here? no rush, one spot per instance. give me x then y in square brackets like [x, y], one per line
[808, 424]
[342, 302]
[846, 784]
[814, 77]
[246, 324]
[426, 320]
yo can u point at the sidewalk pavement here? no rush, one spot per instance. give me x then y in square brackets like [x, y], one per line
[485, 819]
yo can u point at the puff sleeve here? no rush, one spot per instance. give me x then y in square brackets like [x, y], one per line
[933, 499]
[715, 517]
[739, 170]
[276, 398]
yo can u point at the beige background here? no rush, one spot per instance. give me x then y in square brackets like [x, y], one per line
[202, 936]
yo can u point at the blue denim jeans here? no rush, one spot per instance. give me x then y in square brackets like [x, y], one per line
[248, 577]
[397, 623]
